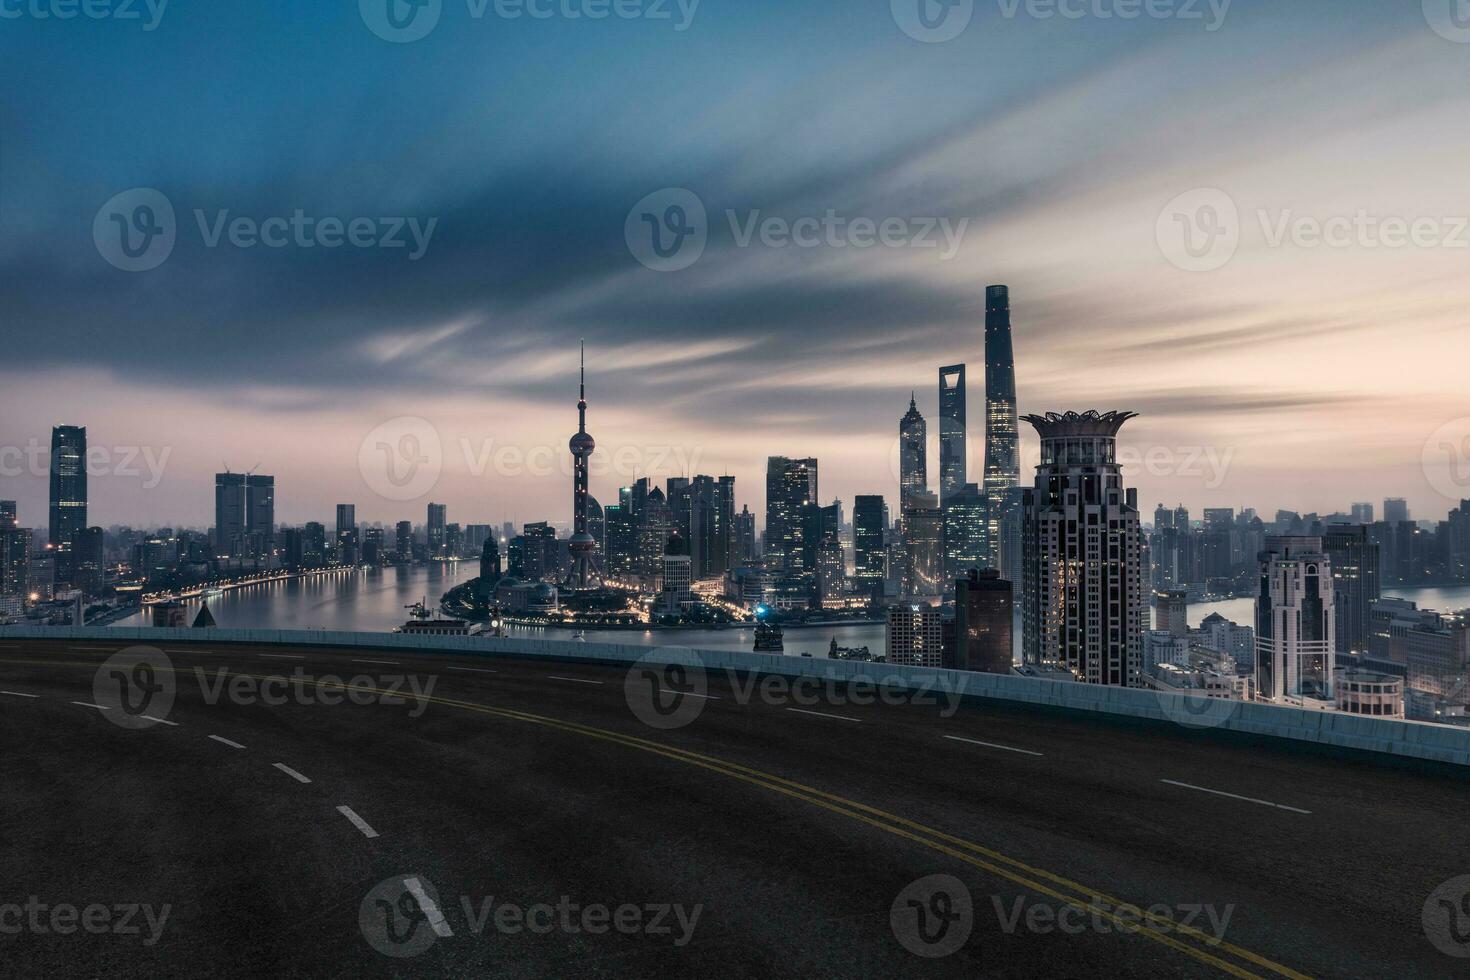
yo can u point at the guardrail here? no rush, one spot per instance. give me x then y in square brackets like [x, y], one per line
[1438, 743]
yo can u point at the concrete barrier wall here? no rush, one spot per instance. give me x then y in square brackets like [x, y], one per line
[1438, 743]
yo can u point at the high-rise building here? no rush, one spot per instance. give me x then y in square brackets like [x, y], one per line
[582, 546]
[914, 636]
[347, 538]
[923, 547]
[1083, 599]
[1296, 622]
[15, 556]
[314, 544]
[869, 554]
[244, 514]
[621, 536]
[1362, 513]
[539, 552]
[984, 607]
[403, 540]
[966, 532]
[677, 576]
[1355, 584]
[1002, 435]
[711, 509]
[745, 536]
[1171, 609]
[437, 529]
[913, 453]
[8, 515]
[951, 431]
[1395, 510]
[831, 571]
[68, 495]
[791, 486]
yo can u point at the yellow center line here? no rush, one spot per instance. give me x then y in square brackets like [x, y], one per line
[997, 864]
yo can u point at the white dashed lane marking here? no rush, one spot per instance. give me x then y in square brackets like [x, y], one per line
[89, 704]
[574, 680]
[823, 714]
[991, 745]
[475, 670]
[282, 656]
[357, 821]
[161, 721]
[225, 741]
[1247, 799]
[17, 694]
[388, 663]
[291, 772]
[431, 911]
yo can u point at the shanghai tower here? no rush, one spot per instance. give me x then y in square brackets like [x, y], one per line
[1002, 448]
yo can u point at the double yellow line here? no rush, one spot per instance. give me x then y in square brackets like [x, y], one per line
[1126, 916]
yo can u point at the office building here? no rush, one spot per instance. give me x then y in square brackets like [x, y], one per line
[923, 547]
[1171, 612]
[437, 530]
[914, 636]
[403, 541]
[951, 431]
[711, 513]
[984, 622]
[913, 453]
[791, 487]
[869, 518]
[68, 495]
[1083, 601]
[1355, 583]
[1362, 513]
[966, 532]
[347, 538]
[244, 514]
[1296, 621]
[1396, 510]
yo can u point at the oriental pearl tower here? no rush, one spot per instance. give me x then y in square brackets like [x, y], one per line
[582, 545]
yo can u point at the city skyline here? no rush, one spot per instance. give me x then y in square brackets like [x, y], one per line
[1281, 357]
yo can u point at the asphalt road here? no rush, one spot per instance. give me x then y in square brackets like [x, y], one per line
[520, 818]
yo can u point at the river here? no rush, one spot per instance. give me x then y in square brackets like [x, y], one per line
[373, 600]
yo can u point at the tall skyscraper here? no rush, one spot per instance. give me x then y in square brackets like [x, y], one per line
[913, 454]
[403, 540]
[923, 547]
[1362, 513]
[347, 542]
[914, 636]
[1395, 510]
[966, 531]
[583, 546]
[1355, 584]
[68, 495]
[1083, 599]
[951, 431]
[436, 529]
[1002, 435]
[8, 514]
[711, 504]
[244, 514]
[791, 486]
[1171, 612]
[869, 553]
[1296, 621]
[745, 539]
[984, 622]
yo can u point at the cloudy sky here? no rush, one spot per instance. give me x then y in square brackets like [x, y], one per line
[1304, 347]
